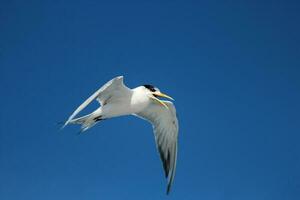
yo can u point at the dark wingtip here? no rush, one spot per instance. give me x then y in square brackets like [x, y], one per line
[168, 189]
[165, 161]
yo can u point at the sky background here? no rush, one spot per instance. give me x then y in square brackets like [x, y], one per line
[233, 68]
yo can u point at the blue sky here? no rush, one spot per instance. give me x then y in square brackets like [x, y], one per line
[232, 68]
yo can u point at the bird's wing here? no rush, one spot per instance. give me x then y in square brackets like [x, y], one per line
[165, 127]
[114, 87]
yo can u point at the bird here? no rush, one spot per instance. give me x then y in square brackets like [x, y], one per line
[116, 99]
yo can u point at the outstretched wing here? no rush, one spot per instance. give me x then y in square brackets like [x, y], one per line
[165, 126]
[112, 88]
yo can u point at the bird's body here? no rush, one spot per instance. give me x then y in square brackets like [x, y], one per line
[118, 100]
[132, 102]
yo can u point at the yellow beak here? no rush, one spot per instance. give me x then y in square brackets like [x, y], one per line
[160, 101]
[163, 95]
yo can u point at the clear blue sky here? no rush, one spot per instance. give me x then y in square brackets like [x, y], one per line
[233, 69]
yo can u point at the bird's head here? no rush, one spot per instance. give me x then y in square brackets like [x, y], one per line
[154, 93]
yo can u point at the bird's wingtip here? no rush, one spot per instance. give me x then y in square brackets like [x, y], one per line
[168, 189]
[169, 186]
[64, 124]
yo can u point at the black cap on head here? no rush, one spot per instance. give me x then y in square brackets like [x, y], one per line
[151, 88]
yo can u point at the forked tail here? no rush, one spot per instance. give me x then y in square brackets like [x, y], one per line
[86, 121]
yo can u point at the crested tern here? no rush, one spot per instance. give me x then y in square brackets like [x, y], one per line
[116, 99]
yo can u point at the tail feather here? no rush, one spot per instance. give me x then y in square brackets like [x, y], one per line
[86, 121]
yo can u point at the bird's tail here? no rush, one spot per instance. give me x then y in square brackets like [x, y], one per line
[86, 121]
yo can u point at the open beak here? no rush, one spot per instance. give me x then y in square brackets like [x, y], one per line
[159, 94]
[162, 95]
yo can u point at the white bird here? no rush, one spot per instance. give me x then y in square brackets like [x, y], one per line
[117, 100]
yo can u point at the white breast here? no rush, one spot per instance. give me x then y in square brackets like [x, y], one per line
[139, 100]
[135, 103]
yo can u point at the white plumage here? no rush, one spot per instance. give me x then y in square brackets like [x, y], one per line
[116, 100]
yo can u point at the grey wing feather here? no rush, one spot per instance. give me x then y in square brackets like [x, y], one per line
[102, 95]
[165, 126]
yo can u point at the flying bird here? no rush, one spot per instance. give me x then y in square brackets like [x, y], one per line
[116, 99]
